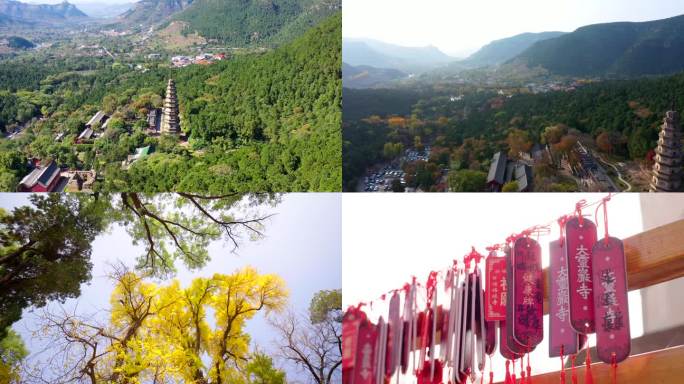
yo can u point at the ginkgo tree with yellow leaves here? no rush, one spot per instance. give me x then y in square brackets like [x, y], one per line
[166, 333]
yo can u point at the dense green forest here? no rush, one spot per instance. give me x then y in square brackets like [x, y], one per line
[266, 122]
[242, 23]
[625, 114]
[622, 49]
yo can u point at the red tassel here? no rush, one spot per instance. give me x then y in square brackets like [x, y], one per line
[522, 371]
[529, 369]
[491, 371]
[562, 370]
[574, 373]
[589, 378]
[508, 373]
[513, 373]
[614, 365]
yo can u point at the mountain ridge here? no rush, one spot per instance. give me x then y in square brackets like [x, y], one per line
[16, 12]
[613, 49]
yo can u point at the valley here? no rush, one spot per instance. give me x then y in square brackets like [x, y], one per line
[513, 117]
[240, 96]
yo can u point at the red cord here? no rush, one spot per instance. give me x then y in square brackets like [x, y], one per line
[604, 203]
[573, 372]
[513, 374]
[508, 372]
[614, 366]
[529, 368]
[522, 371]
[578, 210]
[562, 370]
[589, 379]
[491, 371]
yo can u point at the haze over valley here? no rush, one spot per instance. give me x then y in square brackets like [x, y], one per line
[553, 110]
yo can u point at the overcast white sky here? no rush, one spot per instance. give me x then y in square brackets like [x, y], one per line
[459, 27]
[388, 238]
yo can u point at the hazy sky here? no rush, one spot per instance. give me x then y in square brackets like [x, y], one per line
[302, 245]
[460, 27]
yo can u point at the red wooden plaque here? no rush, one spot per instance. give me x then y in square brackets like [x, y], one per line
[350, 332]
[561, 333]
[580, 237]
[610, 301]
[394, 336]
[511, 343]
[527, 293]
[505, 351]
[365, 354]
[490, 337]
[495, 299]
[380, 351]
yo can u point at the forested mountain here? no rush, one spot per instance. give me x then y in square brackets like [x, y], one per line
[621, 49]
[153, 11]
[262, 122]
[365, 76]
[262, 22]
[17, 12]
[377, 54]
[500, 51]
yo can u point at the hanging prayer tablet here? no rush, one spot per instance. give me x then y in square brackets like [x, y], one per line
[580, 238]
[457, 377]
[561, 333]
[380, 352]
[495, 299]
[350, 332]
[527, 293]
[505, 351]
[448, 340]
[434, 314]
[610, 301]
[394, 336]
[511, 343]
[365, 353]
[409, 327]
[490, 337]
[465, 350]
[479, 325]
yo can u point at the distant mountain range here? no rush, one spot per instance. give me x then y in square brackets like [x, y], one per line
[500, 51]
[621, 49]
[149, 12]
[103, 10]
[236, 22]
[366, 52]
[365, 76]
[15, 12]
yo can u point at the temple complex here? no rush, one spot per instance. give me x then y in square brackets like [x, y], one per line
[667, 170]
[170, 122]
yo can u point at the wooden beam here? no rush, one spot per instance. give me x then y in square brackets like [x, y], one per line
[665, 366]
[653, 257]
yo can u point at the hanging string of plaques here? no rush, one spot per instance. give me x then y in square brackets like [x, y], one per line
[445, 330]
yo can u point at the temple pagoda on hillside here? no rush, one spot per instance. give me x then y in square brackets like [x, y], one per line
[170, 123]
[667, 170]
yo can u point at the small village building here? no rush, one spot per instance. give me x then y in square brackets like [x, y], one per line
[79, 181]
[140, 153]
[86, 135]
[154, 120]
[99, 118]
[41, 179]
[504, 170]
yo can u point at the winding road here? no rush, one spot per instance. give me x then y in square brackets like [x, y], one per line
[619, 174]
